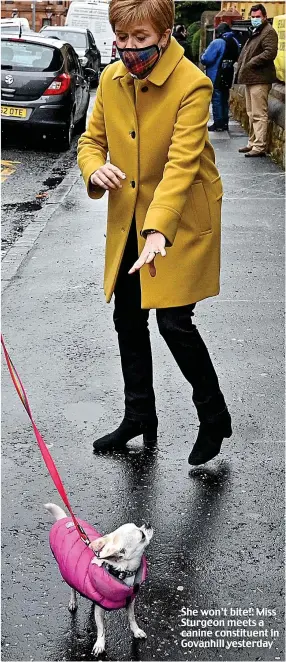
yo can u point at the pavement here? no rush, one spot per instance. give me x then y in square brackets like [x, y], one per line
[218, 530]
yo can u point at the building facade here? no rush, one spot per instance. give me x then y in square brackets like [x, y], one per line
[38, 12]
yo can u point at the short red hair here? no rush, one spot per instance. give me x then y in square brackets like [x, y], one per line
[160, 13]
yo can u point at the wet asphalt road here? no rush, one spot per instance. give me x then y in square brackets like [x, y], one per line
[31, 168]
[218, 540]
[25, 191]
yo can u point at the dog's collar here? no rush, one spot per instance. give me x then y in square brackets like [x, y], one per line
[120, 574]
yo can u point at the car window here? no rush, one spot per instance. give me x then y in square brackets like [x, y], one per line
[76, 39]
[25, 56]
[80, 70]
[91, 38]
[73, 63]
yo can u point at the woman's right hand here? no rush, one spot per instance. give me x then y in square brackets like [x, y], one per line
[108, 177]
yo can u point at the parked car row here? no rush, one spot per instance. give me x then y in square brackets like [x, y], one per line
[43, 87]
[46, 76]
[83, 43]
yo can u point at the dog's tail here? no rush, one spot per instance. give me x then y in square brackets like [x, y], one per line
[56, 511]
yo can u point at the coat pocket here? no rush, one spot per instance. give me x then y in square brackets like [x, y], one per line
[201, 207]
[217, 187]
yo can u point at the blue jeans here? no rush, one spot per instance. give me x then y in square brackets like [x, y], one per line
[220, 107]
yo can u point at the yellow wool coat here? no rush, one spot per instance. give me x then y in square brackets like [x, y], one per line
[156, 132]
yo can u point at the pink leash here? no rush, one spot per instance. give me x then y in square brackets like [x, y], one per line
[43, 448]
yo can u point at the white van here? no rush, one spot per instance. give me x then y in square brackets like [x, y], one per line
[93, 14]
[11, 25]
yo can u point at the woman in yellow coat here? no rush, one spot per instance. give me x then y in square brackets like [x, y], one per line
[150, 115]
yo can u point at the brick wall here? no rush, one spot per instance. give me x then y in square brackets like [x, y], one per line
[51, 13]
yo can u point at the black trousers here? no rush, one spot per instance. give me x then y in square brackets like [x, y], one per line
[181, 336]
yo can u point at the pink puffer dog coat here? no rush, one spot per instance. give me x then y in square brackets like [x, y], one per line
[90, 580]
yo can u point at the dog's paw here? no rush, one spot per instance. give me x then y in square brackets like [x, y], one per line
[72, 606]
[99, 647]
[139, 634]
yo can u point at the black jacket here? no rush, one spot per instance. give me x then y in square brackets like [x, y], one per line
[183, 42]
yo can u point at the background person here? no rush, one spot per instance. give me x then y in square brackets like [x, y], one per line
[164, 191]
[256, 70]
[219, 59]
[180, 34]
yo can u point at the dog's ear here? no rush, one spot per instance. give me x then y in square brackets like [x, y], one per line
[110, 548]
[147, 531]
[98, 543]
[109, 545]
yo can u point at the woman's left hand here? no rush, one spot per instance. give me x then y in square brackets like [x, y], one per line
[155, 245]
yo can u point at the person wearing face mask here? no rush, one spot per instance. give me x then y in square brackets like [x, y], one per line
[164, 213]
[256, 70]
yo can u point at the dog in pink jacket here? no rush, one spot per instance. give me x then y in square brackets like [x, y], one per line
[112, 578]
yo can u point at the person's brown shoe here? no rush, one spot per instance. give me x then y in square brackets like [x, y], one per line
[254, 154]
[244, 150]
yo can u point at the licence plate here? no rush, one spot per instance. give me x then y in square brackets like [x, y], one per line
[10, 111]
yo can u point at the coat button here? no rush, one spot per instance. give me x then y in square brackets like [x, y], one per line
[145, 88]
[132, 134]
[133, 183]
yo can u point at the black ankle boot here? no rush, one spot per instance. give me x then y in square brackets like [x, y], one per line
[215, 127]
[126, 431]
[210, 438]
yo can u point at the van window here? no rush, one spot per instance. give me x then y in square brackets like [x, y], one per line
[76, 39]
[13, 29]
[25, 56]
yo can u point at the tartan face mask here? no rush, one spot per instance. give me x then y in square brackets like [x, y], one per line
[140, 61]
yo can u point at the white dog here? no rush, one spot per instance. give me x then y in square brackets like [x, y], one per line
[119, 553]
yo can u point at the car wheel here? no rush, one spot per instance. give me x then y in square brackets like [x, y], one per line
[66, 134]
[81, 125]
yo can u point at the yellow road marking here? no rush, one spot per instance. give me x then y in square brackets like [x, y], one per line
[7, 169]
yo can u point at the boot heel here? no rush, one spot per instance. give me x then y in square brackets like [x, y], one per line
[150, 435]
[228, 431]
